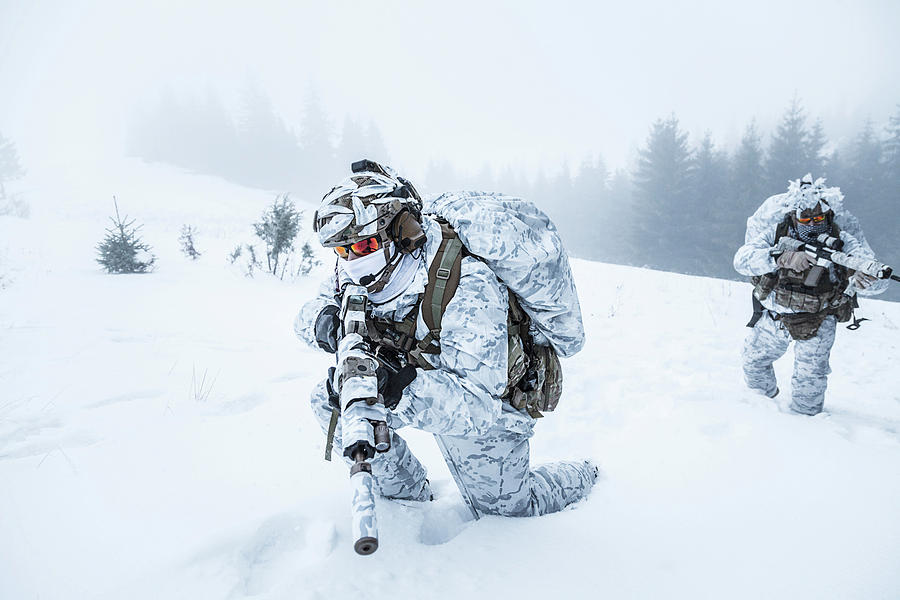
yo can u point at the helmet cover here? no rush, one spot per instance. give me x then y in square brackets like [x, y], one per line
[364, 205]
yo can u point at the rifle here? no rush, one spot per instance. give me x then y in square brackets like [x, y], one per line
[826, 250]
[368, 432]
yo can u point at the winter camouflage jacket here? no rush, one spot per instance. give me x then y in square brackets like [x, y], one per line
[461, 395]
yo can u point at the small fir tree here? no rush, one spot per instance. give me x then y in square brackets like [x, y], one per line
[253, 263]
[308, 260]
[187, 242]
[277, 229]
[122, 250]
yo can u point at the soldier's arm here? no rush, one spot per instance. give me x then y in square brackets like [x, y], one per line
[305, 320]
[861, 249]
[461, 396]
[754, 257]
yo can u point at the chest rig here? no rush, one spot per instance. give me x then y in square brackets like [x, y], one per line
[811, 304]
[791, 291]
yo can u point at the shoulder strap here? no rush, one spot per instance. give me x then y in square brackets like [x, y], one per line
[443, 279]
[783, 228]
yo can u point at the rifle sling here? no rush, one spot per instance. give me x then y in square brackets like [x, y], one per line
[329, 439]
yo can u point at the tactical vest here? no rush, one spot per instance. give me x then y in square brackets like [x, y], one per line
[792, 293]
[811, 304]
[534, 375]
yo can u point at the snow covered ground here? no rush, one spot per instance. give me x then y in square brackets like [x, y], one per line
[155, 438]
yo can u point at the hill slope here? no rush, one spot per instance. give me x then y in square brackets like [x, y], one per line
[155, 440]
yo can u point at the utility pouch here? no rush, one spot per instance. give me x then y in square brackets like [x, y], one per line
[843, 312]
[803, 326]
[800, 301]
[541, 387]
[763, 285]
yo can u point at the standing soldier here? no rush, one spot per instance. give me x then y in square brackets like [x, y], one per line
[788, 304]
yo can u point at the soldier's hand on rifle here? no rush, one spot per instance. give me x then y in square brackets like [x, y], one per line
[392, 383]
[795, 261]
[326, 328]
[861, 280]
[334, 398]
[358, 391]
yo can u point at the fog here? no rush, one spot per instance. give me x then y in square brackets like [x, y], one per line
[507, 83]
[602, 114]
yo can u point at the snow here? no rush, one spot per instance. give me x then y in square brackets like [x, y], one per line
[156, 442]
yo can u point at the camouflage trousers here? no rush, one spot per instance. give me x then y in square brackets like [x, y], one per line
[493, 469]
[769, 340]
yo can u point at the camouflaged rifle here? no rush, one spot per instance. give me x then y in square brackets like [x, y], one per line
[826, 250]
[365, 429]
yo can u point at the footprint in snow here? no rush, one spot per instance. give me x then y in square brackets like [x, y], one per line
[440, 524]
[278, 543]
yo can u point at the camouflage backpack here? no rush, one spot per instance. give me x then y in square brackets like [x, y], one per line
[542, 296]
[534, 375]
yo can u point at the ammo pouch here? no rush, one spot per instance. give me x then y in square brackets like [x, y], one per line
[844, 311]
[534, 375]
[799, 299]
[540, 386]
[763, 285]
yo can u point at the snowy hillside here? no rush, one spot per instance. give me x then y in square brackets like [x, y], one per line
[156, 442]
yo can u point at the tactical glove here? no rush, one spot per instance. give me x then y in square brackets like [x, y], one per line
[326, 328]
[334, 398]
[391, 384]
[861, 280]
[795, 261]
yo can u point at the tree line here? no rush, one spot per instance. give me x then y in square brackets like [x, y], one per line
[682, 206]
[254, 146]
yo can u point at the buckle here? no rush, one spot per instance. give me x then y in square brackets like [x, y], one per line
[443, 273]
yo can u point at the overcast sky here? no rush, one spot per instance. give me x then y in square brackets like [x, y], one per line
[526, 83]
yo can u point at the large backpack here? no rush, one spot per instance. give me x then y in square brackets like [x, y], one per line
[522, 247]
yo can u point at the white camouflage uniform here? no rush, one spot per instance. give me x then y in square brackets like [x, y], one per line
[769, 339]
[459, 401]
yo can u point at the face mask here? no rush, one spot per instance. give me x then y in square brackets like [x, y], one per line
[369, 264]
[810, 231]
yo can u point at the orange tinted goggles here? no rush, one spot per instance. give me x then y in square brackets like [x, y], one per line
[360, 248]
[815, 219]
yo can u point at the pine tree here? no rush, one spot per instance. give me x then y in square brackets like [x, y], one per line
[122, 250]
[352, 146]
[270, 155]
[712, 210]
[747, 173]
[318, 167]
[662, 175]
[662, 191]
[882, 232]
[815, 150]
[891, 156]
[375, 148]
[277, 229]
[789, 151]
[187, 242]
[623, 220]
[865, 180]
[308, 260]
[10, 167]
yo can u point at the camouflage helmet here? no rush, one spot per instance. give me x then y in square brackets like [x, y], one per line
[806, 194]
[366, 204]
